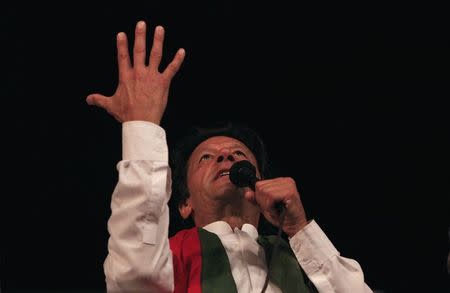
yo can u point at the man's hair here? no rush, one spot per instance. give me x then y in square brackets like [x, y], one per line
[186, 145]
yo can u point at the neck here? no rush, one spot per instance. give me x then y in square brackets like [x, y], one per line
[235, 213]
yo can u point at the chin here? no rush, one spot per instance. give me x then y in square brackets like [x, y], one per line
[230, 192]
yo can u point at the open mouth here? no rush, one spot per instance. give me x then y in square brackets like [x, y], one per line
[225, 173]
[222, 173]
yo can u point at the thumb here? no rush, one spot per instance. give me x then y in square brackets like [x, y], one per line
[98, 100]
[250, 195]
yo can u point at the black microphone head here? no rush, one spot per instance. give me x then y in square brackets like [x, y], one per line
[243, 174]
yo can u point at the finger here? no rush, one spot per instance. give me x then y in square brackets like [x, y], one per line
[123, 56]
[157, 48]
[250, 196]
[98, 100]
[269, 196]
[266, 182]
[139, 45]
[173, 67]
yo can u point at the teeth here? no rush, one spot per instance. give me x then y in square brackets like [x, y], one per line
[224, 173]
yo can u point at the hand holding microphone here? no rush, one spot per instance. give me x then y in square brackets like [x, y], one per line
[243, 174]
[280, 194]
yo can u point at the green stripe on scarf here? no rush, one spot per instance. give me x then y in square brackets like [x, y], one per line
[285, 271]
[216, 271]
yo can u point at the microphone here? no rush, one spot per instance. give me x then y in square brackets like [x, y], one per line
[243, 174]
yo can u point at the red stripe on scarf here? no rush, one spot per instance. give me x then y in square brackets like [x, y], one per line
[187, 261]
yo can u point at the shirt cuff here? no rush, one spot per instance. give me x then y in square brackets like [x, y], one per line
[312, 247]
[143, 140]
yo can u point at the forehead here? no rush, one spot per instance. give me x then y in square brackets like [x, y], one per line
[218, 142]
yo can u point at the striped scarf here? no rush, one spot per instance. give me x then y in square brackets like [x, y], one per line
[201, 264]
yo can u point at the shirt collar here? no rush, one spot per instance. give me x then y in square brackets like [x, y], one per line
[223, 228]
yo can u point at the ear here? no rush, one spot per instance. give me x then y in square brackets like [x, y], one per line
[185, 208]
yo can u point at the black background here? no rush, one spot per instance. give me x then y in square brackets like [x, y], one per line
[349, 97]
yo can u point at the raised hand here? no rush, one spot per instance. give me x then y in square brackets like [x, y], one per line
[143, 90]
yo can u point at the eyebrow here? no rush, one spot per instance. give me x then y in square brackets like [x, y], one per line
[234, 146]
[208, 150]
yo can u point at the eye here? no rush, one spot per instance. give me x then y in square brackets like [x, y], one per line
[205, 157]
[240, 153]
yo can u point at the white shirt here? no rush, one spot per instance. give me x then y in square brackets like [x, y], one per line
[246, 256]
[139, 256]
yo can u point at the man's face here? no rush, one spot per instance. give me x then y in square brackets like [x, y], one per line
[208, 166]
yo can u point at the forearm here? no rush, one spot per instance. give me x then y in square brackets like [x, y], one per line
[139, 258]
[320, 260]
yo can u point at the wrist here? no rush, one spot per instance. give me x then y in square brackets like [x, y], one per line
[293, 229]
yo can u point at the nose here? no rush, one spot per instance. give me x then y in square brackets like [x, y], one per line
[225, 157]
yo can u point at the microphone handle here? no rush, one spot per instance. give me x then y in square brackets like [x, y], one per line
[279, 206]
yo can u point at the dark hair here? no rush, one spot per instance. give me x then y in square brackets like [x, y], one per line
[186, 145]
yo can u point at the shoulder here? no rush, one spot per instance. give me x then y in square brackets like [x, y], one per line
[182, 236]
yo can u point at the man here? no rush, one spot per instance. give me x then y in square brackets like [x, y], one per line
[224, 252]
